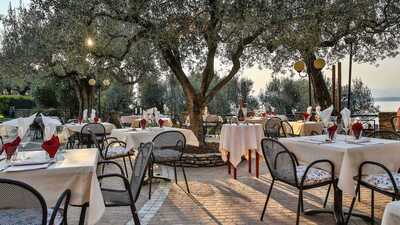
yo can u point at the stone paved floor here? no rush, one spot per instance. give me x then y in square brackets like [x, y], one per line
[216, 198]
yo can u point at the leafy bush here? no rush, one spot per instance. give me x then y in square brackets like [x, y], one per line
[18, 101]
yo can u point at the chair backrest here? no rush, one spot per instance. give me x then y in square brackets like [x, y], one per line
[395, 123]
[287, 129]
[272, 127]
[139, 169]
[19, 198]
[385, 135]
[97, 128]
[1, 145]
[170, 139]
[280, 161]
[314, 133]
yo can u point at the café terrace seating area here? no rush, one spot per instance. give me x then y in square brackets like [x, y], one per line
[279, 170]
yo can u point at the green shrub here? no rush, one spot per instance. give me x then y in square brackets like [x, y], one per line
[18, 101]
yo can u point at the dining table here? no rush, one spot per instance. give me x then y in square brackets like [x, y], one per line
[391, 215]
[133, 137]
[73, 169]
[77, 127]
[305, 128]
[346, 153]
[238, 140]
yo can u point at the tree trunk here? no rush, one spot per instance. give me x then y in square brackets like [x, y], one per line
[195, 110]
[321, 92]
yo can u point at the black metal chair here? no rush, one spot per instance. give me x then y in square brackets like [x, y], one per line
[128, 195]
[314, 133]
[386, 183]
[385, 135]
[97, 128]
[284, 166]
[1, 145]
[272, 127]
[168, 149]
[112, 149]
[212, 123]
[287, 130]
[21, 204]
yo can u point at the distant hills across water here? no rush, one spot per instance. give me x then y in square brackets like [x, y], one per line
[387, 99]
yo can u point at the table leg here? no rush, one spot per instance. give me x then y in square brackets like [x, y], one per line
[257, 164]
[234, 173]
[229, 163]
[249, 155]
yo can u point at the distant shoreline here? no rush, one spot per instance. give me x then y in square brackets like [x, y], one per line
[387, 99]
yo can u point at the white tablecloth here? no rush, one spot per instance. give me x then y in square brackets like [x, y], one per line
[134, 136]
[77, 127]
[391, 216]
[345, 156]
[305, 128]
[238, 139]
[77, 172]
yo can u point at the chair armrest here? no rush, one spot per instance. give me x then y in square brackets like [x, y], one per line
[332, 167]
[387, 171]
[64, 197]
[113, 163]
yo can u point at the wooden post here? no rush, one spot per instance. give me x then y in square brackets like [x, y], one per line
[339, 86]
[334, 86]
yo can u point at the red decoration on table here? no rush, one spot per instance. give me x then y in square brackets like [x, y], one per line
[332, 131]
[306, 116]
[161, 122]
[80, 119]
[11, 147]
[51, 146]
[264, 114]
[273, 113]
[357, 127]
[143, 123]
[96, 119]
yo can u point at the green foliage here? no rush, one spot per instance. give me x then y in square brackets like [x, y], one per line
[286, 94]
[361, 98]
[117, 97]
[152, 93]
[45, 95]
[18, 101]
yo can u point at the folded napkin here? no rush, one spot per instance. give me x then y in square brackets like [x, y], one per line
[332, 131]
[11, 147]
[51, 146]
[346, 117]
[85, 115]
[143, 123]
[96, 119]
[306, 116]
[309, 109]
[50, 126]
[318, 109]
[80, 119]
[24, 123]
[357, 127]
[326, 115]
[161, 122]
[93, 115]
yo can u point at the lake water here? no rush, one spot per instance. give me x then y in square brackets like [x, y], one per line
[388, 106]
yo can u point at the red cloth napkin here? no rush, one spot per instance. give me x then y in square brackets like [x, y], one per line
[96, 119]
[51, 146]
[263, 114]
[143, 123]
[11, 147]
[80, 119]
[357, 128]
[332, 131]
[161, 122]
[306, 116]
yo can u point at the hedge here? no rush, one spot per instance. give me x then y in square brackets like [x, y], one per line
[18, 101]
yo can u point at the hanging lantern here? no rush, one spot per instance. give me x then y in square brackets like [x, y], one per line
[106, 82]
[299, 66]
[92, 82]
[319, 63]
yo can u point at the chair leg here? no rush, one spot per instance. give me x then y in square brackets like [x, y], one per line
[359, 194]
[176, 177]
[266, 201]
[372, 207]
[327, 196]
[126, 168]
[135, 215]
[150, 177]
[299, 207]
[130, 161]
[184, 176]
[83, 214]
[352, 204]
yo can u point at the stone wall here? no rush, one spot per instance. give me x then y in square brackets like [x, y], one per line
[202, 160]
[385, 120]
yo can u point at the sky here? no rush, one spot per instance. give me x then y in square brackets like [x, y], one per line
[382, 79]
